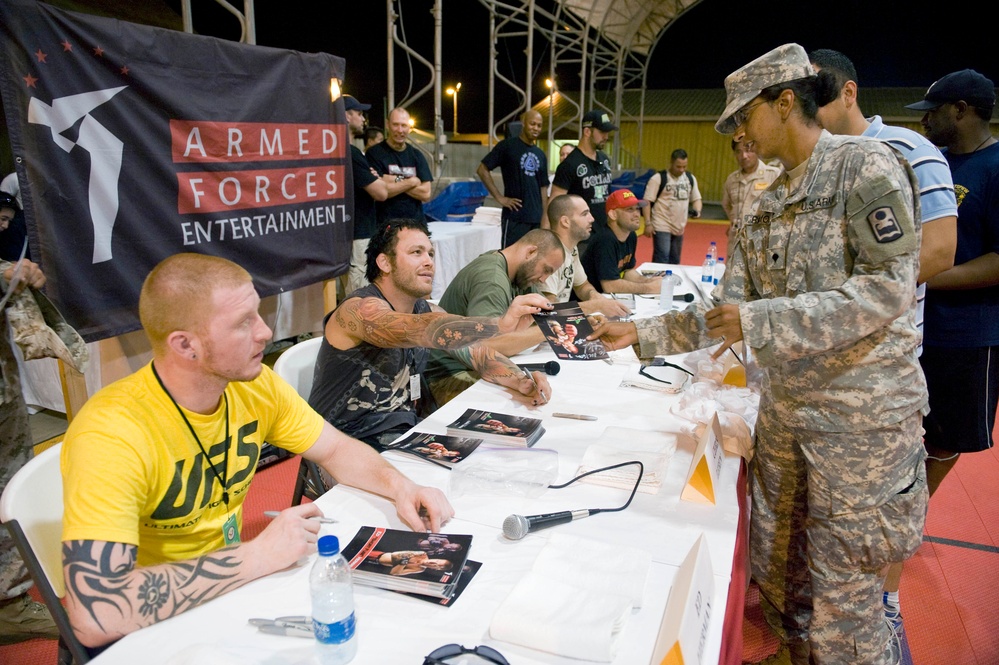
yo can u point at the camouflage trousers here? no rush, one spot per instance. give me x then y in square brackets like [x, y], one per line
[15, 451]
[830, 511]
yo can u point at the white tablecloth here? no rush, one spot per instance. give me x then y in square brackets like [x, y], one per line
[393, 628]
[455, 245]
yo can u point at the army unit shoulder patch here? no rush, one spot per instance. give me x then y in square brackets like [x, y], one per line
[884, 225]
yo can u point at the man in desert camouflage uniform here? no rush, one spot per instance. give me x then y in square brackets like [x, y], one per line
[821, 289]
[21, 618]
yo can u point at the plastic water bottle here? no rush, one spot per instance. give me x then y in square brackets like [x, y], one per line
[713, 252]
[708, 270]
[719, 270]
[332, 605]
[666, 292]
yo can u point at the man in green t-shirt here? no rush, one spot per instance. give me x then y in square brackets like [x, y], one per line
[486, 287]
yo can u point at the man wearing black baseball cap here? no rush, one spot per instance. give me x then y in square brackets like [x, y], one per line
[961, 320]
[368, 188]
[586, 172]
[966, 85]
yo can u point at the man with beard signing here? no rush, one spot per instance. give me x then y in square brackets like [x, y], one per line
[486, 287]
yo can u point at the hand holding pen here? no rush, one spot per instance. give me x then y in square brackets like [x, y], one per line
[290, 537]
[539, 388]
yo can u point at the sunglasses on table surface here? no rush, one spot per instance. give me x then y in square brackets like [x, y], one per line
[659, 369]
[441, 655]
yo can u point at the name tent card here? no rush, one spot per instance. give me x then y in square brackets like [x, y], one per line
[684, 629]
[705, 467]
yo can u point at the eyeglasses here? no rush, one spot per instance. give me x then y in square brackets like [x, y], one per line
[742, 115]
[660, 363]
[439, 655]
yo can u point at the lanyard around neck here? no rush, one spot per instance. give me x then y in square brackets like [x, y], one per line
[225, 460]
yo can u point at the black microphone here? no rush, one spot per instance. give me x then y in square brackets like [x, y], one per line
[686, 297]
[551, 368]
[516, 527]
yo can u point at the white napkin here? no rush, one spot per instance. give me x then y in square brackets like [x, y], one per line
[621, 444]
[576, 600]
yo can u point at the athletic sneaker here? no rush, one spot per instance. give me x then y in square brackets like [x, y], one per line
[23, 619]
[893, 613]
[894, 647]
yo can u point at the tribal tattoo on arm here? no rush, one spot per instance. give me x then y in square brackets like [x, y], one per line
[109, 597]
[374, 321]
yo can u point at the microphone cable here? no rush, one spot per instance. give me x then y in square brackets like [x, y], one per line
[594, 511]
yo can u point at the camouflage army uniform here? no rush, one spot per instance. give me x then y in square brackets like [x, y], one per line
[825, 281]
[15, 451]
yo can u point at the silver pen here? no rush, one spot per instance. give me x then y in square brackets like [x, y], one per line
[322, 520]
[574, 416]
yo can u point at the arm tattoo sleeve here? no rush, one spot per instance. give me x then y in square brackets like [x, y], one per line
[376, 323]
[102, 578]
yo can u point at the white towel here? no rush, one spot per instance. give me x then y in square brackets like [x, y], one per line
[576, 600]
[615, 569]
[562, 619]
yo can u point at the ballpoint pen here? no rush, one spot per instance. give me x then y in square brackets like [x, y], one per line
[540, 392]
[574, 416]
[322, 520]
[298, 626]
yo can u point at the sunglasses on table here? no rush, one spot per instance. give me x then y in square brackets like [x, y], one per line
[658, 370]
[441, 655]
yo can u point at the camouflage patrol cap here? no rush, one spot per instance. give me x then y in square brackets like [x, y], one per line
[785, 63]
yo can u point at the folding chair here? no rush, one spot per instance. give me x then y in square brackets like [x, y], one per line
[31, 509]
[297, 366]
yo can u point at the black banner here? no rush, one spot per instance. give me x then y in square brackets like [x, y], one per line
[133, 143]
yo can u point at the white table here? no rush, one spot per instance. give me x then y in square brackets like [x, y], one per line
[455, 245]
[396, 629]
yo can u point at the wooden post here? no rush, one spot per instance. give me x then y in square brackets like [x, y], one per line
[74, 389]
[329, 294]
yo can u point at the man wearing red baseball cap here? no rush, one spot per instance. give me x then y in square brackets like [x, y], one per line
[609, 260]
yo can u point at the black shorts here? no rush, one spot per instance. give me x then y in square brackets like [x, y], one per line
[964, 388]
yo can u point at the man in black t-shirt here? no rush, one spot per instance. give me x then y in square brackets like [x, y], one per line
[586, 172]
[374, 351]
[368, 188]
[525, 179]
[403, 169]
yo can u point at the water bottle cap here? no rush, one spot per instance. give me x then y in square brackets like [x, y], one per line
[669, 272]
[329, 545]
[721, 259]
[713, 242]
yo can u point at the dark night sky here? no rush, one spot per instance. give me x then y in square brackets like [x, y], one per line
[912, 47]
